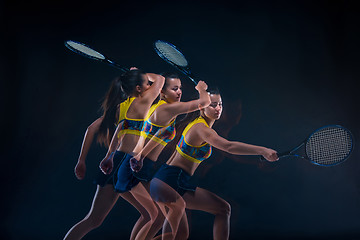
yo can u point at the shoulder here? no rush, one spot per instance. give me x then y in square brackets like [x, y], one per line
[203, 130]
[198, 127]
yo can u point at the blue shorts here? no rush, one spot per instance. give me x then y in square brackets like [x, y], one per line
[102, 178]
[175, 179]
[127, 179]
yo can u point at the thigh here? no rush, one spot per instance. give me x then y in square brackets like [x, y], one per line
[141, 194]
[164, 192]
[204, 200]
[134, 201]
[104, 200]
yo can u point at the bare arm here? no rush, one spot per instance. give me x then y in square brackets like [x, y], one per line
[154, 90]
[106, 165]
[91, 130]
[150, 145]
[170, 111]
[80, 168]
[115, 141]
[238, 148]
[136, 162]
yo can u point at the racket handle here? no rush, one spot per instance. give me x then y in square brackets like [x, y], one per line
[278, 154]
[114, 64]
[193, 80]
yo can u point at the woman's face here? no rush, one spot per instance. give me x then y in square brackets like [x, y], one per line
[214, 110]
[172, 92]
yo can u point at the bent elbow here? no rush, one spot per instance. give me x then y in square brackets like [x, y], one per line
[204, 103]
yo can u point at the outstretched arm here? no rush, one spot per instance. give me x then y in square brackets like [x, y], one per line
[238, 148]
[80, 168]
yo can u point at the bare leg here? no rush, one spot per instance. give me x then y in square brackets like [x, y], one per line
[207, 201]
[183, 230]
[171, 205]
[103, 202]
[141, 194]
[144, 216]
[157, 224]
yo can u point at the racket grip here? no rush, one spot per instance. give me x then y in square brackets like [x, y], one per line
[278, 154]
[123, 69]
[193, 80]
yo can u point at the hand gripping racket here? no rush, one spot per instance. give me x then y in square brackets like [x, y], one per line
[88, 52]
[173, 55]
[327, 146]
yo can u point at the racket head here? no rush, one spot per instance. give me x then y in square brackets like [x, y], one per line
[170, 53]
[83, 49]
[329, 145]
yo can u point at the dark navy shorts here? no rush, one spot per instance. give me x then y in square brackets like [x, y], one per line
[127, 179]
[103, 179]
[175, 179]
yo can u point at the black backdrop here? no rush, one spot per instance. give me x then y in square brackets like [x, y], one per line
[284, 69]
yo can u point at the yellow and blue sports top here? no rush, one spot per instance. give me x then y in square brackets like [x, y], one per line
[160, 134]
[129, 126]
[193, 153]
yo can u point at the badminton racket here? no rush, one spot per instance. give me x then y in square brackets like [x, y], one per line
[86, 51]
[172, 55]
[327, 146]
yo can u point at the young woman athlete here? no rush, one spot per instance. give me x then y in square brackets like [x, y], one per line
[159, 129]
[137, 97]
[170, 187]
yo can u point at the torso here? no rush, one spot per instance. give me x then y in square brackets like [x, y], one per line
[192, 137]
[167, 134]
[132, 112]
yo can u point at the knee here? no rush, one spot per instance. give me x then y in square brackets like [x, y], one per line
[154, 214]
[180, 203]
[151, 214]
[179, 207]
[144, 216]
[225, 209]
[94, 222]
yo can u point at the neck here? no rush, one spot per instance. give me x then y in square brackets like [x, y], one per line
[164, 99]
[135, 95]
[209, 121]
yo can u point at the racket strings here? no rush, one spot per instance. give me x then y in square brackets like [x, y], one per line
[329, 146]
[85, 50]
[171, 53]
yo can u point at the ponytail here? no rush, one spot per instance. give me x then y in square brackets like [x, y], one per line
[109, 107]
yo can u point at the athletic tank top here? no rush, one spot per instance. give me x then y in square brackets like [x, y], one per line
[129, 126]
[160, 134]
[193, 153]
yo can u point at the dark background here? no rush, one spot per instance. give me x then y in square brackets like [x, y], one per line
[285, 68]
